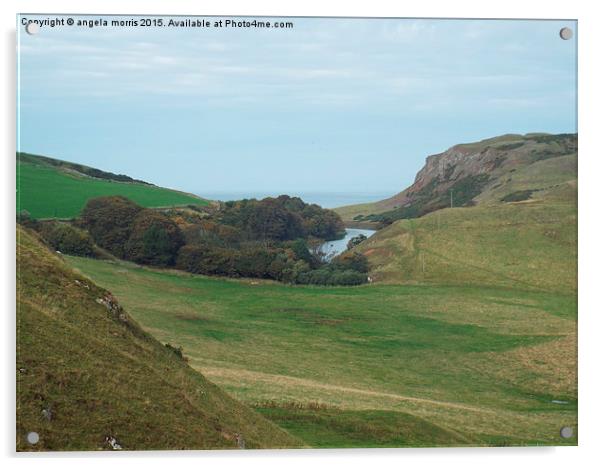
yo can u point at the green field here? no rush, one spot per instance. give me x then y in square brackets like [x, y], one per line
[48, 192]
[463, 364]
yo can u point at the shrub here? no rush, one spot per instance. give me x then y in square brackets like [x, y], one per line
[329, 275]
[348, 278]
[177, 350]
[254, 261]
[109, 221]
[301, 251]
[208, 260]
[353, 242]
[517, 196]
[67, 239]
[351, 261]
[154, 239]
[24, 218]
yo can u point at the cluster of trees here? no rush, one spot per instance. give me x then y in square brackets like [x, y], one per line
[281, 218]
[132, 232]
[258, 239]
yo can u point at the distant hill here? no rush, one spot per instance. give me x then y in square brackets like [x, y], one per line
[51, 188]
[500, 169]
[88, 376]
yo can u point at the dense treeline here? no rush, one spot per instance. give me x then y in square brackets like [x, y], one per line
[266, 238]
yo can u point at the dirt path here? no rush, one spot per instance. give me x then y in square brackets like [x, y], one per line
[288, 381]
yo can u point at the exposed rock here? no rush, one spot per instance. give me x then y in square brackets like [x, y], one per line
[47, 414]
[488, 158]
[240, 441]
[110, 302]
[113, 443]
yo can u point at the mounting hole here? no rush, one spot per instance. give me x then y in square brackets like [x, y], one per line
[566, 432]
[566, 33]
[33, 438]
[32, 28]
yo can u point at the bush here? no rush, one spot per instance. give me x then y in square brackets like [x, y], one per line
[329, 275]
[109, 221]
[24, 218]
[67, 239]
[177, 350]
[154, 239]
[517, 196]
[301, 251]
[351, 261]
[353, 242]
[207, 260]
[254, 261]
[348, 278]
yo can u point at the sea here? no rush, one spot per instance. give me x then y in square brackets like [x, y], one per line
[328, 200]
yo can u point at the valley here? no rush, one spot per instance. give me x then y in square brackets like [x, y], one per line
[460, 328]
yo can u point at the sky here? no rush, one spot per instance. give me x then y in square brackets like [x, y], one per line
[331, 105]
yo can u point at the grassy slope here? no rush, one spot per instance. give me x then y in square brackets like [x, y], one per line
[46, 191]
[530, 244]
[482, 363]
[100, 376]
[544, 175]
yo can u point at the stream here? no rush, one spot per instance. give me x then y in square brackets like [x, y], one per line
[336, 247]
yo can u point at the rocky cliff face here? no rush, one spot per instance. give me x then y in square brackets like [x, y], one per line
[468, 169]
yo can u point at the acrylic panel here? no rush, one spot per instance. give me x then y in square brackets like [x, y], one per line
[295, 232]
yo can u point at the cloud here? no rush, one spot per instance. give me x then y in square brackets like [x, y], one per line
[427, 64]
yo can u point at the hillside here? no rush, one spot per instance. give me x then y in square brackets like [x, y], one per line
[527, 244]
[509, 166]
[50, 188]
[87, 373]
[520, 231]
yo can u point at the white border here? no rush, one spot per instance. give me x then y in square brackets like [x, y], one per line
[590, 172]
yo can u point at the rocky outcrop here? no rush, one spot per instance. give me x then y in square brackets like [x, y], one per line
[478, 164]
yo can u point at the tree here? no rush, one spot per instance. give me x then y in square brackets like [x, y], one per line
[109, 221]
[154, 239]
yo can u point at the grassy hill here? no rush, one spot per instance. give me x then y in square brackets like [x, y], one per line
[87, 371]
[50, 188]
[375, 365]
[527, 244]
